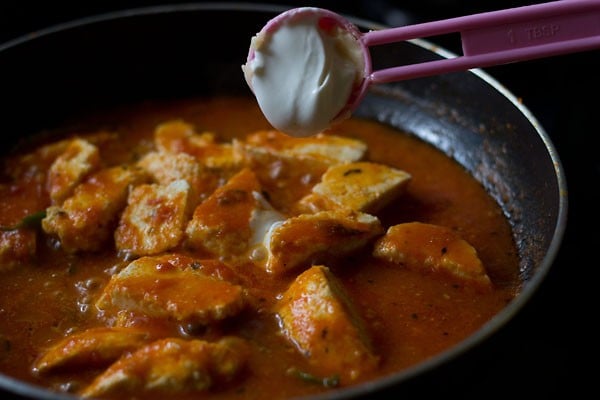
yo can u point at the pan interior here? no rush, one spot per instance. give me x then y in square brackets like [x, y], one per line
[179, 51]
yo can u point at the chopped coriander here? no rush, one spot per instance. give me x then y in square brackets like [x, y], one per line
[328, 381]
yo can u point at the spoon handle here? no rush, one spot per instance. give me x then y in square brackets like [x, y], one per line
[499, 37]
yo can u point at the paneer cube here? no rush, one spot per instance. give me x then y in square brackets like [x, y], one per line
[175, 136]
[40, 159]
[171, 287]
[432, 248]
[92, 348]
[233, 219]
[361, 186]
[319, 319]
[178, 136]
[289, 167]
[325, 236]
[37, 161]
[154, 219]
[87, 219]
[221, 157]
[79, 159]
[173, 366]
[328, 149]
[168, 167]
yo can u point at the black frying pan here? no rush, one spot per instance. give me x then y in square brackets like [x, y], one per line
[115, 58]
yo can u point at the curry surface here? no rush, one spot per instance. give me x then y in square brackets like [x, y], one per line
[411, 316]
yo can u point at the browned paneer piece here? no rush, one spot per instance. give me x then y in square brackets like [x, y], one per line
[174, 287]
[154, 219]
[319, 318]
[178, 136]
[432, 248]
[314, 238]
[36, 162]
[42, 157]
[17, 246]
[328, 149]
[173, 366]
[78, 160]
[92, 348]
[361, 186]
[87, 219]
[232, 220]
[168, 167]
[289, 167]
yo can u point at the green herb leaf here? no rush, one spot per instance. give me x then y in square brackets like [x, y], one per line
[29, 221]
[328, 381]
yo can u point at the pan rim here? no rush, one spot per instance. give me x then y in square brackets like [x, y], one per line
[497, 322]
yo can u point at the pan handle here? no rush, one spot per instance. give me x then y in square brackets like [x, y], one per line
[499, 37]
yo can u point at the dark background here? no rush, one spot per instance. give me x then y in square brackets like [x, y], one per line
[549, 347]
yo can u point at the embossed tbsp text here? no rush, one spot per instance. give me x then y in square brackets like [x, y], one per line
[542, 31]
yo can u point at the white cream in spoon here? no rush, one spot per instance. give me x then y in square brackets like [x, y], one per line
[303, 72]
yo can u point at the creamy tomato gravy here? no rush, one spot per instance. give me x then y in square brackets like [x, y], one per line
[409, 315]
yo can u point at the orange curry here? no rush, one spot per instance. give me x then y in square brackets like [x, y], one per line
[185, 247]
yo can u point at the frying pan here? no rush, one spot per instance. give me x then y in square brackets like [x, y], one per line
[180, 50]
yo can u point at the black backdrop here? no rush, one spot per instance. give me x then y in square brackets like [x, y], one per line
[543, 350]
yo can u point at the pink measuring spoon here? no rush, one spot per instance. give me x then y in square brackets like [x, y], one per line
[491, 38]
